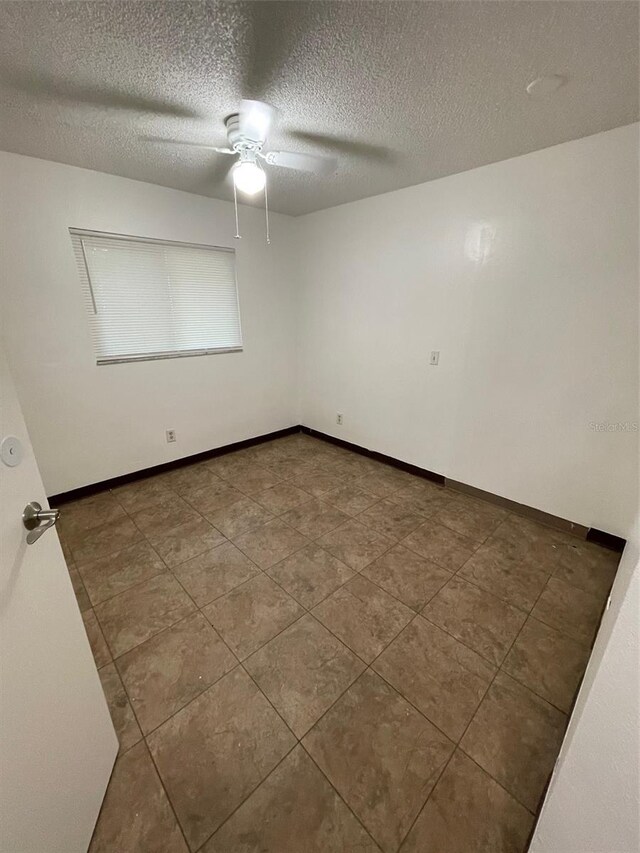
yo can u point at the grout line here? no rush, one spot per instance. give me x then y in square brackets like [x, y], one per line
[204, 689]
[166, 793]
[429, 795]
[501, 784]
[243, 801]
[337, 792]
[498, 671]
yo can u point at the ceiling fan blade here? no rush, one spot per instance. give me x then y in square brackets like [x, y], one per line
[345, 146]
[72, 93]
[256, 120]
[163, 140]
[269, 41]
[302, 162]
[216, 176]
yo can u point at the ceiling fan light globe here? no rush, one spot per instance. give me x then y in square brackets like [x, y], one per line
[248, 178]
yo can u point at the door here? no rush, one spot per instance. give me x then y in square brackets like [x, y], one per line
[57, 742]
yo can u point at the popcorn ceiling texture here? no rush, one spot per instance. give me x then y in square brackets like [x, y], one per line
[422, 89]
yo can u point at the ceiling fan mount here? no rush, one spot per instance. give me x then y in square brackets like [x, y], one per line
[237, 140]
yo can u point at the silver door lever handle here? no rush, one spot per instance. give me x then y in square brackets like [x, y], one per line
[37, 520]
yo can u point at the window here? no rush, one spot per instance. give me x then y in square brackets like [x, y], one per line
[155, 299]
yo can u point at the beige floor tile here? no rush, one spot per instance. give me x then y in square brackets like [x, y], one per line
[190, 477]
[303, 671]
[407, 576]
[288, 468]
[77, 517]
[169, 670]
[66, 547]
[219, 741]
[355, 544]
[107, 576]
[519, 529]
[215, 572]
[350, 499]
[383, 482]
[515, 736]
[295, 808]
[252, 614]
[253, 480]
[186, 541]
[104, 540]
[133, 616]
[122, 716]
[270, 543]
[99, 647]
[214, 752]
[241, 516]
[471, 518]
[381, 755]
[476, 618]
[229, 464]
[441, 545]
[422, 497]
[207, 499]
[469, 812]
[363, 616]
[314, 517]
[547, 662]
[502, 568]
[537, 544]
[281, 498]
[265, 454]
[390, 519]
[317, 483]
[441, 677]
[310, 575]
[352, 466]
[143, 494]
[164, 517]
[136, 815]
[587, 567]
[569, 610]
[82, 597]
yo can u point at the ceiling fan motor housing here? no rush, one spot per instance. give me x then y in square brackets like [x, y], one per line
[236, 140]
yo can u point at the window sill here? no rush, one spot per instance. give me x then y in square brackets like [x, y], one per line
[156, 356]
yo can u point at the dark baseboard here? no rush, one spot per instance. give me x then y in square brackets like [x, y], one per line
[607, 540]
[379, 457]
[94, 488]
[592, 534]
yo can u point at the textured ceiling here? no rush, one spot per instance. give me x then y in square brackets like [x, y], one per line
[411, 91]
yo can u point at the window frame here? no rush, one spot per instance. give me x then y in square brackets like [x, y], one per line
[153, 356]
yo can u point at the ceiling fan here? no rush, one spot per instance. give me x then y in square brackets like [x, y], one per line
[247, 134]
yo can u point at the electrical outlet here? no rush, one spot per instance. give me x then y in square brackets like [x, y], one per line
[171, 435]
[434, 357]
[339, 419]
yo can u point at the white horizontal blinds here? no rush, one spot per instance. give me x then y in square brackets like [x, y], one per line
[202, 284]
[150, 298]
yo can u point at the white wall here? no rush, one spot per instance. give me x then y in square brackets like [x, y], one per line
[90, 423]
[524, 274]
[592, 802]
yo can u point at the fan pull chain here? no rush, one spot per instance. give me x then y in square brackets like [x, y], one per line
[266, 210]
[235, 202]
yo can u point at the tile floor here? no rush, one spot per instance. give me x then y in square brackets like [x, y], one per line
[306, 650]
